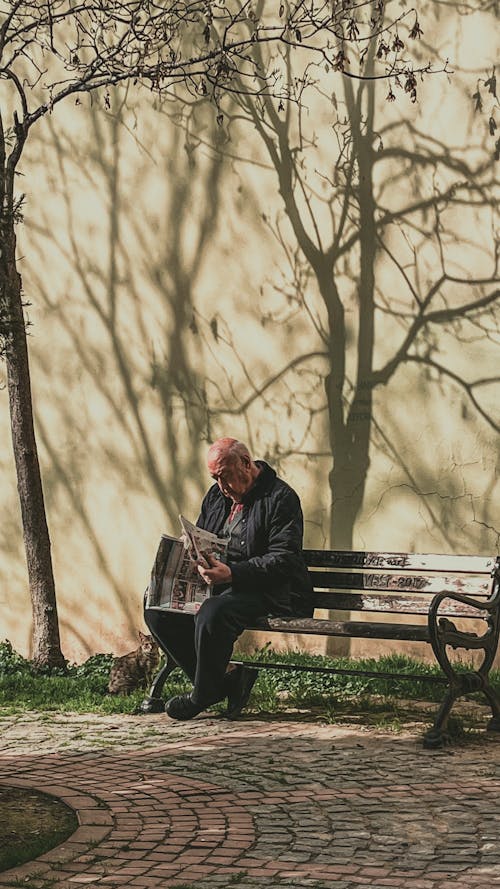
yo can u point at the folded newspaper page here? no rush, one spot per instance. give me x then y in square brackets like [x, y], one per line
[175, 583]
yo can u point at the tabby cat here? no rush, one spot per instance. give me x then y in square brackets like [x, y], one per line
[135, 669]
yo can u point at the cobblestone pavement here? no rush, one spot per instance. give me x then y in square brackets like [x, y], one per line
[256, 803]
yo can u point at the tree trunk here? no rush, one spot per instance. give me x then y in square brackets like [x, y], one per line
[347, 483]
[46, 648]
[351, 453]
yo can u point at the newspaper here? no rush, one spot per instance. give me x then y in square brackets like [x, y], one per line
[175, 583]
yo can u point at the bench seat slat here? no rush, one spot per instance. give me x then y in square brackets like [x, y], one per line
[401, 561]
[392, 604]
[410, 583]
[356, 629]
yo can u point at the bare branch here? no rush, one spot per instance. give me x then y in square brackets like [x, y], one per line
[243, 406]
[467, 387]
[209, 48]
[422, 319]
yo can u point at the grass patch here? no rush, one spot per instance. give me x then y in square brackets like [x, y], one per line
[31, 823]
[83, 688]
[299, 688]
[79, 689]
[68, 694]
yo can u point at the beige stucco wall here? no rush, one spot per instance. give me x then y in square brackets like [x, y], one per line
[142, 247]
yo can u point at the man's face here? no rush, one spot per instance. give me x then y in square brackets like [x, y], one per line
[232, 474]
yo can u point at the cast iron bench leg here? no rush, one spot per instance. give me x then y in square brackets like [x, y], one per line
[443, 633]
[437, 736]
[154, 703]
[462, 684]
[490, 694]
[494, 702]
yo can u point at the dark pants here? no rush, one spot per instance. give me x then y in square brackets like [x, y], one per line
[202, 643]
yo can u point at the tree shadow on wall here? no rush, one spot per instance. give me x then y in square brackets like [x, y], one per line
[127, 400]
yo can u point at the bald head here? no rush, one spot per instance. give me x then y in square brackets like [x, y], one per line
[228, 448]
[231, 466]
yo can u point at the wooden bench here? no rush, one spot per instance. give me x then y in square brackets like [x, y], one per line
[448, 591]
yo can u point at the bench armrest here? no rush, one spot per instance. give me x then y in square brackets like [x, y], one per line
[486, 605]
[444, 632]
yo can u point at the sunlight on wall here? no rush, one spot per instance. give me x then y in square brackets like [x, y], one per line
[171, 304]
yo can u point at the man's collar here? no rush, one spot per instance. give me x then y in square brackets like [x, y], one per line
[264, 479]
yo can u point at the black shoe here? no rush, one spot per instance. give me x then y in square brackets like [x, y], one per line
[182, 707]
[240, 692]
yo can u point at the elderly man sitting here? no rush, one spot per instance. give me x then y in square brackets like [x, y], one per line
[265, 574]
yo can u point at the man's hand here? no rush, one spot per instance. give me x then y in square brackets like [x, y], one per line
[217, 572]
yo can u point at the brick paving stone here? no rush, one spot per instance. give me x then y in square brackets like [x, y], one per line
[418, 884]
[281, 803]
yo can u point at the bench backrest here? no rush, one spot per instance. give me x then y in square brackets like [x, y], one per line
[398, 583]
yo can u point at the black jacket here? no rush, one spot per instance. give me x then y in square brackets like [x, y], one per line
[272, 564]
